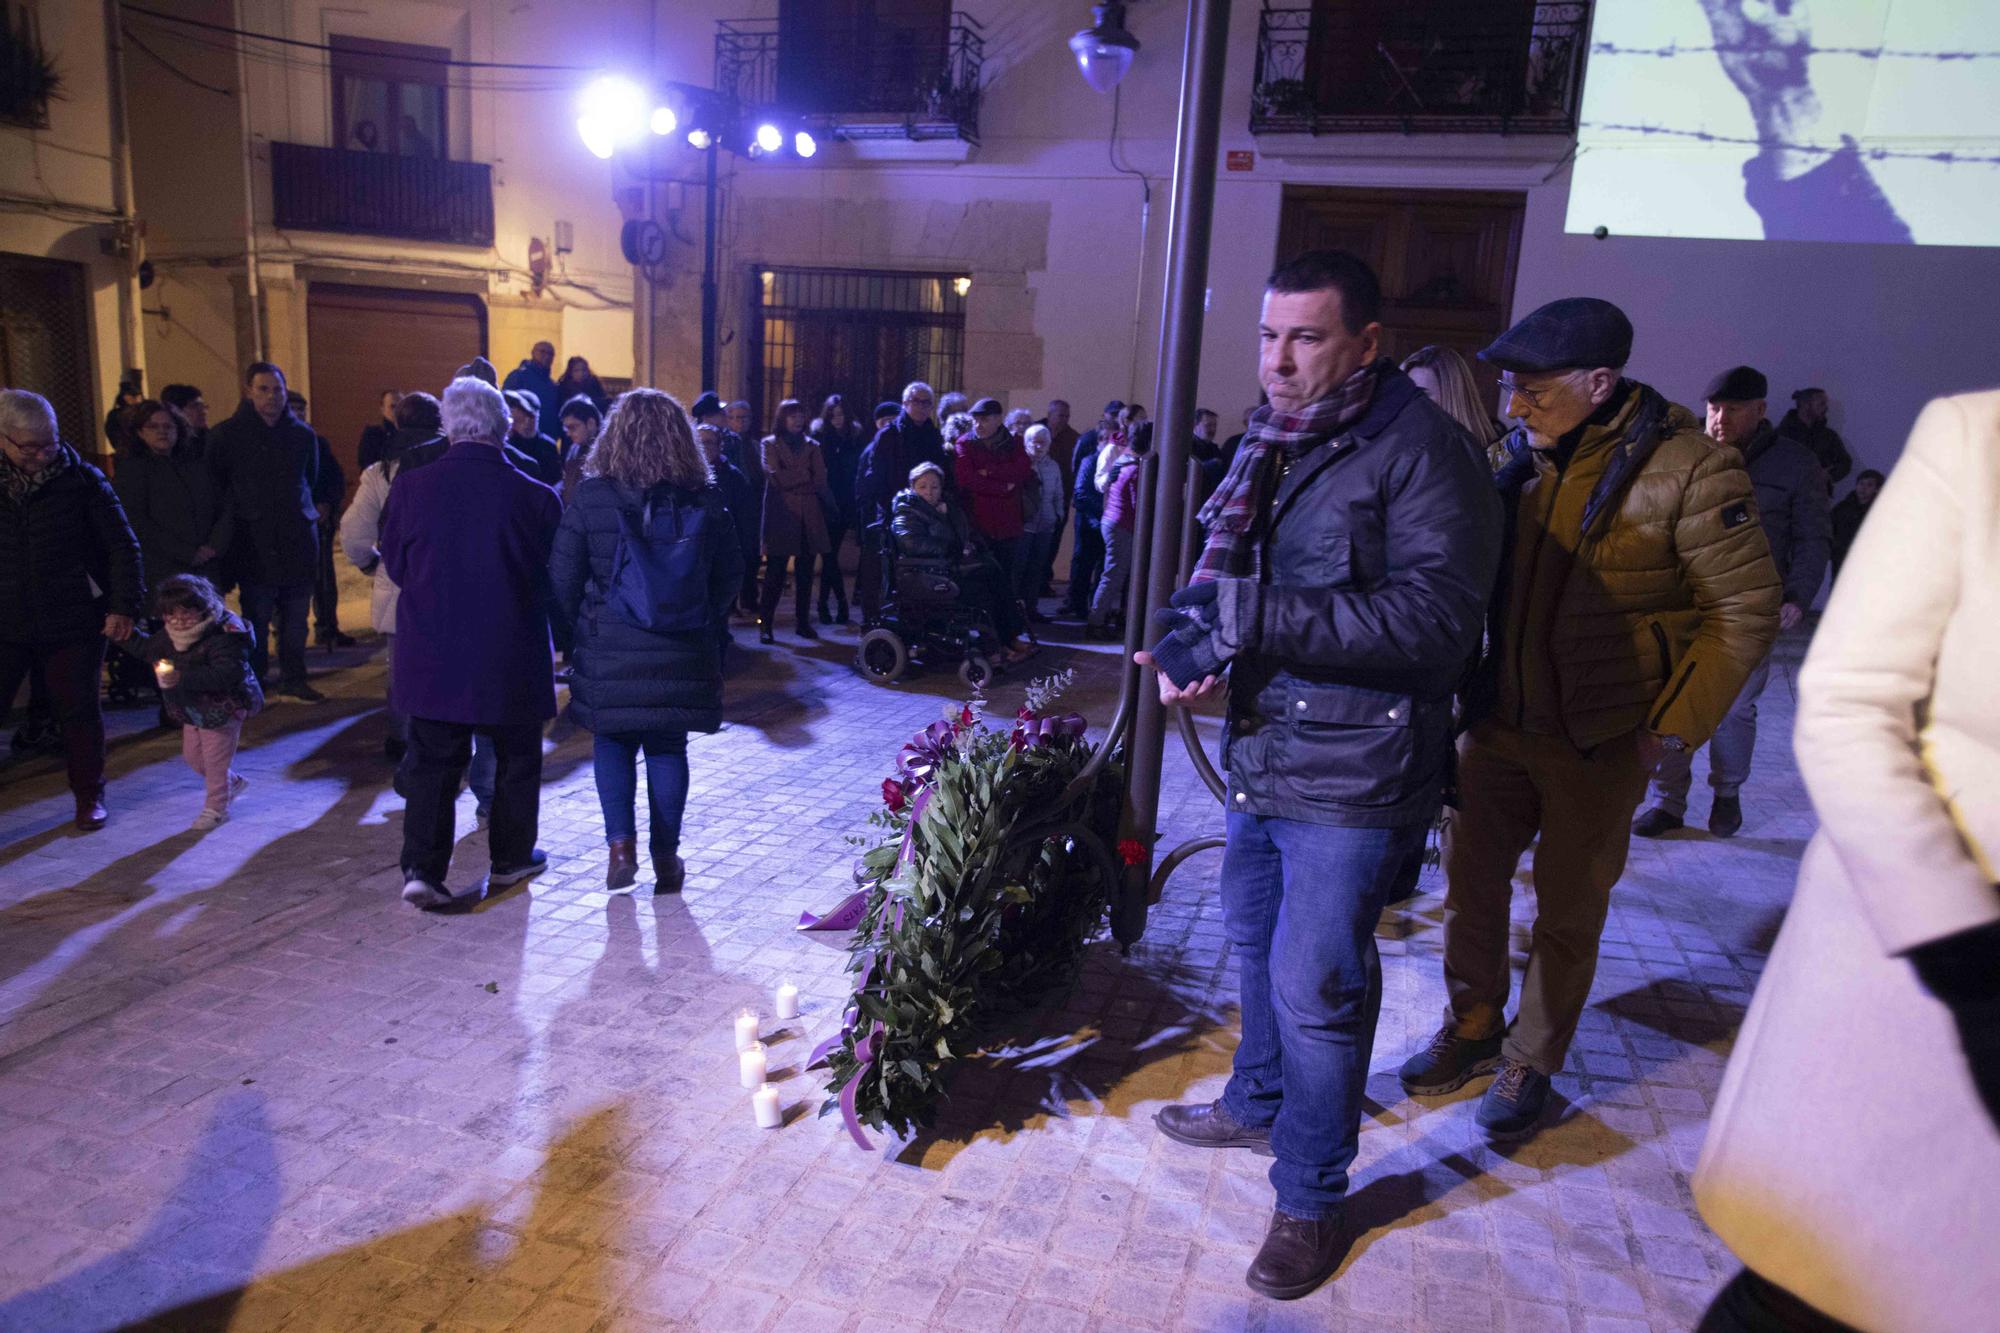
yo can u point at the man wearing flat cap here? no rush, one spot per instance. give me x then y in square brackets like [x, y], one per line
[1792, 505]
[1636, 595]
[709, 411]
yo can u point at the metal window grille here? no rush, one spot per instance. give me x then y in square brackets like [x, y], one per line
[860, 333]
[45, 343]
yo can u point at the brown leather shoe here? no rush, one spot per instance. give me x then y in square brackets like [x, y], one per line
[1210, 1126]
[1298, 1254]
[90, 813]
[669, 873]
[621, 869]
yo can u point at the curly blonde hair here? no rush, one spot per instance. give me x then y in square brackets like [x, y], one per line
[647, 440]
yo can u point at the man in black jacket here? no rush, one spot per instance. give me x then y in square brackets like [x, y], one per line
[1352, 546]
[912, 438]
[70, 578]
[328, 491]
[1792, 505]
[742, 455]
[265, 462]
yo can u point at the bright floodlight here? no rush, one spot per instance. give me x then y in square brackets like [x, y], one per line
[699, 139]
[664, 121]
[804, 144]
[769, 138]
[612, 111]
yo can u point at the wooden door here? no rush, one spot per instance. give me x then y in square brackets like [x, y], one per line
[1446, 259]
[363, 340]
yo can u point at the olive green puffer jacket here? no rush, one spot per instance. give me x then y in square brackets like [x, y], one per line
[1637, 589]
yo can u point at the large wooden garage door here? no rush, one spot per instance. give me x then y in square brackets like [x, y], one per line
[363, 340]
[1446, 259]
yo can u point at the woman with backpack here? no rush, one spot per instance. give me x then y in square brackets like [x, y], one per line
[645, 566]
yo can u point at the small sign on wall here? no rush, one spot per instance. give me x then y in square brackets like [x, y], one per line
[1242, 159]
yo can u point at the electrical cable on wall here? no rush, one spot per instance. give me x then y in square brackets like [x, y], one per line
[1145, 225]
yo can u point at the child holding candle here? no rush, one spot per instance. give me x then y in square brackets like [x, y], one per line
[201, 660]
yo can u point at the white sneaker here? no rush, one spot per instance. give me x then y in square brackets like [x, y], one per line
[237, 782]
[419, 894]
[207, 820]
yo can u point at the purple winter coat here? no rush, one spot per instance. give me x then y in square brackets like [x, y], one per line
[467, 541]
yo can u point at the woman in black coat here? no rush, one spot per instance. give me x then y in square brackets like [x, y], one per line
[646, 564]
[70, 578]
[840, 444]
[170, 500]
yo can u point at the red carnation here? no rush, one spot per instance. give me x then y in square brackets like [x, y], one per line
[1131, 851]
[965, 716]
[893, 795]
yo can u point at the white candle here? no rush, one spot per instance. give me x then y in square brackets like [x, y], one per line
[788, 1000]
[764, 1102]
[746, 1029]
[750, 1065]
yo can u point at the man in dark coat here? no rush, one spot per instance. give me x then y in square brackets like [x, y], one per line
[328, 492]
[534, 375]
[1351, 550]
[745, 514]
[742, 455]
[266, 463]
[1848, 514]
[1806, 423]
[1793, 506]
[70, 578]
[524, 435]
[885, 466]
[1086, 556]
[467, 540]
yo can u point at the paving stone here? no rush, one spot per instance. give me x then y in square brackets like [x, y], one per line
[238, 1064]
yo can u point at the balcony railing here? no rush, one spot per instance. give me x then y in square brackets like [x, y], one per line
[882, 84]
[379, 194]
[1420, 66]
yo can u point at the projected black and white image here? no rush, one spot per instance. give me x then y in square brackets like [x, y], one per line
[1798, 120]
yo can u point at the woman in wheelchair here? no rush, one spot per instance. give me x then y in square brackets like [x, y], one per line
[931, 531]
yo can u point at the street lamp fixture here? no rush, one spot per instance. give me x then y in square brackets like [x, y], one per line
[1105, 49]
[612, 113]
[664, 121]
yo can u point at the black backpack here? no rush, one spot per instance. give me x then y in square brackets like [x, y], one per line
[659, 573]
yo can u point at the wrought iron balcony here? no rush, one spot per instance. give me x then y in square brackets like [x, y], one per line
[1420, 66]
[854, 83]
[380, 194]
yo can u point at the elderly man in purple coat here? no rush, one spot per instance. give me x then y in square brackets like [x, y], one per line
[467, 541]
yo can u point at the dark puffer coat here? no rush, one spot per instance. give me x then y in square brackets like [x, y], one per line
[67, 533]
[172, 504]
[628, 679]
[215, 682]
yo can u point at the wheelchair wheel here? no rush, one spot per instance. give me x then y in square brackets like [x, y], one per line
[883, 656]
[976, 672]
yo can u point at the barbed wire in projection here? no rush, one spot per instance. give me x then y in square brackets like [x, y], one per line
[1673, 49]
[1945, 157]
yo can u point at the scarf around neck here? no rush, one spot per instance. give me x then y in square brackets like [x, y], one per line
[189, 637]
[1235, 514]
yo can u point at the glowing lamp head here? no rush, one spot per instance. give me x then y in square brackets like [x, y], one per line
[700, 139]
[804, 144]
[769, 137]
[664, 121]
[611, 112]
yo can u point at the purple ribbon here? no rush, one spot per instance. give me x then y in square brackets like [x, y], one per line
[1039, 731]
[846, 914]
[865, 1053]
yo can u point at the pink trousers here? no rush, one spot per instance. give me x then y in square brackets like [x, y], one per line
[209, 751]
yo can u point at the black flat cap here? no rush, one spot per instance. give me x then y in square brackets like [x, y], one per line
[708, 405]
[1738, 384]
[1575, 333]
[987, 407]
[887, 409]
[479, 368]
[525, 399]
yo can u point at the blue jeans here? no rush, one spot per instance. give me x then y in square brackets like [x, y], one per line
[615, 759]
[1299, 903]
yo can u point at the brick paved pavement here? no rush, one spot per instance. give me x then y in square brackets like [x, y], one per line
[242, 1086]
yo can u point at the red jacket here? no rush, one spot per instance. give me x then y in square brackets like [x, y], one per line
[991, 479]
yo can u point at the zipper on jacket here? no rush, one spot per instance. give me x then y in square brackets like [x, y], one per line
[1666, 657]
[1653, 722]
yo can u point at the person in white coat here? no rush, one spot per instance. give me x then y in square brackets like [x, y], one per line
[1853, 1159]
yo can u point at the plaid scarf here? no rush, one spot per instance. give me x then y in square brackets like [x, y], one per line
[1235, 514]
[17, 483]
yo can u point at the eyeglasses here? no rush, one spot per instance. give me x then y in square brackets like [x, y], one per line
[919, 402]
[33, 446]
[1513, 388]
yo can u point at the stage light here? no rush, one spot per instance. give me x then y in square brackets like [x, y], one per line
[804, 144]
[611, 112]
[769, 137]
[664, 121]
[699, 139]
[1104, 50]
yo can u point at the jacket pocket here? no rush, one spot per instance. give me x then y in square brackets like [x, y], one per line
[1347, 746]
[1666, 656]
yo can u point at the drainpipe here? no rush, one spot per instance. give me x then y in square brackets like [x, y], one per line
[1188, 229]
[130, 347]
[643, 293]
[249, 192]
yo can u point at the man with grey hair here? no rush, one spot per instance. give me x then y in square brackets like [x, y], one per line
[467, 540]
[912, 439]
[70, 578]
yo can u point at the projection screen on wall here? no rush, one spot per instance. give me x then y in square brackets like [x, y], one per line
[1798, 120]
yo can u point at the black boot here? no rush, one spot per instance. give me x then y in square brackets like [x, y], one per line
[1298, 1254]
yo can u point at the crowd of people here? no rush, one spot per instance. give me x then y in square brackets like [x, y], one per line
[1403, 603]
